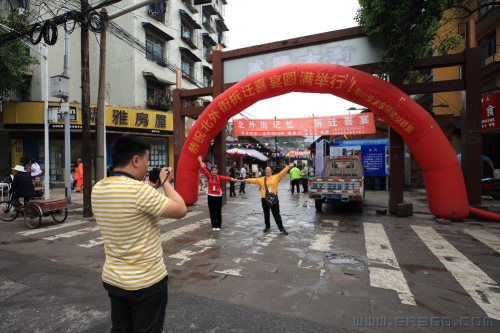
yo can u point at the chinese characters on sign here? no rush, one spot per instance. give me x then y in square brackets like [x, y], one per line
[363, 123]
[490, 114]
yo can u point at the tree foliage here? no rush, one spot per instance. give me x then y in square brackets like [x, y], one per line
[408, 29]
[14, 57]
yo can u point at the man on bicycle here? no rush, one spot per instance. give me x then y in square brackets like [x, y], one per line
[22, 186]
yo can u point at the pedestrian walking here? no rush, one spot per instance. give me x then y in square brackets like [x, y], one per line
[79, 175]
[304, 177]
[243, 176]
[126, 209]
[269, 183]
[214, 193]
[295, 177]
[232, 173]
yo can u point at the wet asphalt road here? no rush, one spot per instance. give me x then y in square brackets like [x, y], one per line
[336, 271]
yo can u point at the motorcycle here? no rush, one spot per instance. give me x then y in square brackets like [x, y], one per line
[490, 187]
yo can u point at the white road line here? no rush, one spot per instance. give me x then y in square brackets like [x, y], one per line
[321, 242]
[480, 286]
[185, 255]
[100, 241]
[234, 272]
[335, 222]
[240, 202]
[72, 233]
[485, 237]
[182, 230]
[55, 227]
[379, 250]
[93, 242]
[189, 214]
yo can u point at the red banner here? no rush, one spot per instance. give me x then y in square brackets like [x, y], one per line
[490, 104]
[362, 123]
[300, 154]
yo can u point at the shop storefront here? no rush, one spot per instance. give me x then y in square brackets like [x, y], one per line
[24, 121]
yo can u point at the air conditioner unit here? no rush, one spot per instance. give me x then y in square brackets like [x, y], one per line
[21, 11]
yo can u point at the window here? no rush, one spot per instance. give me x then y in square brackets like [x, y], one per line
[488, 86]
[186, 33]
[25, 90]
[207, 79]
[158, 155]
[488, 47]
[187, 66]
[154, 47]
[206, 51]
[158, 95]
[157, 10]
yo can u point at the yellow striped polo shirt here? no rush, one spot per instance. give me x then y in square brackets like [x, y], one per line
[127, 211]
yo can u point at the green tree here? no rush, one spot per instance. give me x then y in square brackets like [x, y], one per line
[14, 56]
[408, 29]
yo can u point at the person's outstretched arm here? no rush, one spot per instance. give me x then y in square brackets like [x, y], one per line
[284, 171]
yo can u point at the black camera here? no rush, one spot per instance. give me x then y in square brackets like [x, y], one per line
[154, 174]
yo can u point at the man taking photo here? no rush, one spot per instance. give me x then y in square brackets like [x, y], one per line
[126, 209]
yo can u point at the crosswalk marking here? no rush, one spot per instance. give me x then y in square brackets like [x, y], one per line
[189, 214]
[72, 233]
[185, 255]
[335, 222]
[379, 250]
[486, 238]
[182, 230]
[480, 286]
[321, 242]
[55, 227]
[100, 240]
[93, 242]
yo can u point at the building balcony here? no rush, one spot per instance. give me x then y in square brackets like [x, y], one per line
[487, 17]
[491, 63]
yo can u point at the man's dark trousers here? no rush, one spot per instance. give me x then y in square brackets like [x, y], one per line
[305, 184]
[140, 310]
[295, 182]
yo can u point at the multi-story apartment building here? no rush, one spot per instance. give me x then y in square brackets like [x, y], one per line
[487, 29]
[145, 48]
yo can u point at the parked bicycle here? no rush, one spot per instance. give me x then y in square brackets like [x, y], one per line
[33, 210]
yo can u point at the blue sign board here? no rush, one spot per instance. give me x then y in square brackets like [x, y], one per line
[373, 160]
[373, 154]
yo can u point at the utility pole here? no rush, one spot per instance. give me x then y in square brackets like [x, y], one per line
[67, 129]
[86, 153]
[101, 115]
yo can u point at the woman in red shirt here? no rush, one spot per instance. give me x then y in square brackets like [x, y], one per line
[214, 193]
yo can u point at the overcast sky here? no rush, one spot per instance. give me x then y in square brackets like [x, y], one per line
[254, 22]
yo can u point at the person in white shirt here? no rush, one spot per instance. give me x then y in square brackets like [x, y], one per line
[35, 169]
[243, 176]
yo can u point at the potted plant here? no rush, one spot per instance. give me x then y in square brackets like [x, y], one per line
[160, 99]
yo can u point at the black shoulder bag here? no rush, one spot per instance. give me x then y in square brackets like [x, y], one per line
[271, 198]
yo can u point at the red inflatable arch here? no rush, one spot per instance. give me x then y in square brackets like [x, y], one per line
[442, 173]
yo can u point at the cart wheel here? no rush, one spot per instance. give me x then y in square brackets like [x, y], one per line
[60, 215]
[7, 212]
[32, 216]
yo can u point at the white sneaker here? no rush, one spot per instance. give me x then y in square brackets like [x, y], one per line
[214, 229]
[218, 229]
